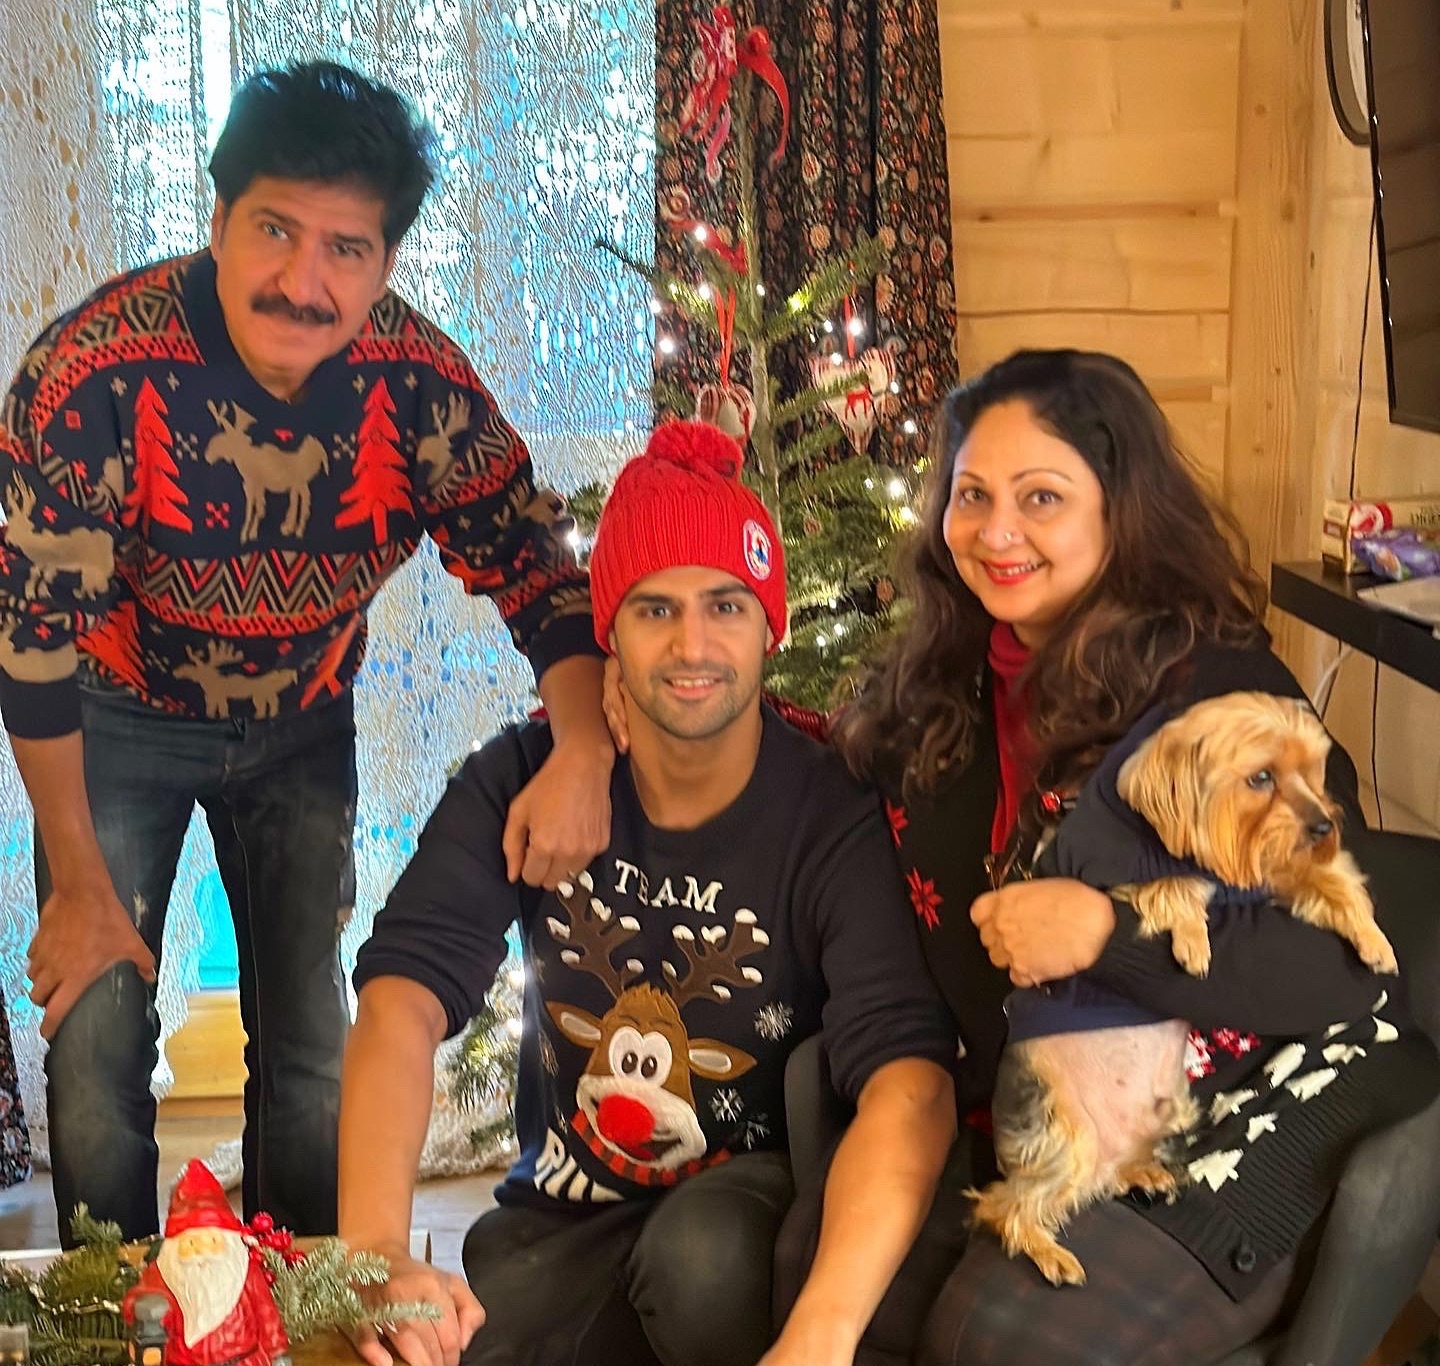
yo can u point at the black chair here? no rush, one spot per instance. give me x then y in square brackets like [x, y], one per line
[1381, 1228]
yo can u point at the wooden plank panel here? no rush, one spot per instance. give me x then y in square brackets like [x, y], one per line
[1036, 117]
[1177, 349]
[207, 1052]
[1166, 165]
[1272, 347]
[968, 14]
[1200, 428]
[1038, 83]
[1158, 264]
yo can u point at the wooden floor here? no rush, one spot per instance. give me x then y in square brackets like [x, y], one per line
[445, 1209]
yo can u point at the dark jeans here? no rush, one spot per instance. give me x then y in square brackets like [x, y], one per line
[685, 1281]
[279, 796]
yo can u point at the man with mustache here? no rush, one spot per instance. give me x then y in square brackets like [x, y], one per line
[748, 898]
[210, 467]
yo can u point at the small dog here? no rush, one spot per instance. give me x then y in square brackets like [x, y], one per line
[1235, 786]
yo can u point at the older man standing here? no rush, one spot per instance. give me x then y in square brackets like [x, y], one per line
[210, 467]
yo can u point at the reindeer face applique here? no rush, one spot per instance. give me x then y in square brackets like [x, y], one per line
[635, 1096]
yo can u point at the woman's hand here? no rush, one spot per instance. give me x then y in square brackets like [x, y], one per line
[1043, 930]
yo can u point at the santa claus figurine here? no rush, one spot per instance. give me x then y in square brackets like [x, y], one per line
[220, 1309]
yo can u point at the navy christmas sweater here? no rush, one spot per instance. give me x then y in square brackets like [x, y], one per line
[667, 987]
[176, 531]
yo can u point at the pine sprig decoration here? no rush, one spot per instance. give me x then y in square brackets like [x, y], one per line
[73, 1307]
[324, 1290]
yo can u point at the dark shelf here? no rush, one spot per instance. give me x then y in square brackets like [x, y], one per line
[1327, 600]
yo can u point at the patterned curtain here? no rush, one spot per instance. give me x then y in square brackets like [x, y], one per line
[866, 151]
[108, 109]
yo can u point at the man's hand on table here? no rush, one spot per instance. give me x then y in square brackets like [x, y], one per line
[426, 1342]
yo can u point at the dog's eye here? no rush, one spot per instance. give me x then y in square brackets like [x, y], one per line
[1260, 781]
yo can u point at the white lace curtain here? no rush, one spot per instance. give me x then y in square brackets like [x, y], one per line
[544, 108]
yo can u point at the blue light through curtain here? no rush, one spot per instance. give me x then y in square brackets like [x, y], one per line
[545, 116]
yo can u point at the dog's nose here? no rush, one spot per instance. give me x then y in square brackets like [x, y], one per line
[1317, 830]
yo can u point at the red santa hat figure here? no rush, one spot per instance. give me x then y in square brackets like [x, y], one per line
[220, 1306]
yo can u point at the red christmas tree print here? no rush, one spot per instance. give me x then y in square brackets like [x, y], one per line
[381, 484]
[115, 643]
[155, 496]
[327, 671]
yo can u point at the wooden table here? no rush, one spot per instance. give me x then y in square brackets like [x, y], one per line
[1329, 601]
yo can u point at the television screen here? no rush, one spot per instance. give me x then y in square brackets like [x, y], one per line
[1403, 50]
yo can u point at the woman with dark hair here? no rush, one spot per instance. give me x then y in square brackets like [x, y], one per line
[1071, 574]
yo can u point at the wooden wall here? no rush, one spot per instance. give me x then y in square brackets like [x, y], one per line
[1163, 179]
[1092, 175]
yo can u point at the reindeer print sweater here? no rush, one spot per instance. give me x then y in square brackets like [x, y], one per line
[666, 988]
[176, 531]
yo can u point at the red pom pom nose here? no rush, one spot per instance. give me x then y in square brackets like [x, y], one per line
[625, 1122]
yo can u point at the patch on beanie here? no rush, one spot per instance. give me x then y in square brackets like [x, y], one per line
[758, 557]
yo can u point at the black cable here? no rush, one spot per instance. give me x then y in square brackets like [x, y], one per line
[1374, 747]
[1364, 332]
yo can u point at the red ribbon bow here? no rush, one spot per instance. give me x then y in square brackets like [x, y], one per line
[708, 103]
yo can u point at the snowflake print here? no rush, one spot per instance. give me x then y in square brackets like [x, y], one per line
[774, 1022]
[923, 896]
[898, 820]
[757, 1130]
[727, 1106]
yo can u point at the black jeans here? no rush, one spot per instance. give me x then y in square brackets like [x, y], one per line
[279, 796]
[682, 1281]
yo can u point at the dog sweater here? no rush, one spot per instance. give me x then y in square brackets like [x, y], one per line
[187, 536]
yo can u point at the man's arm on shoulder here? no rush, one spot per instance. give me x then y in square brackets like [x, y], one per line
[878, 1192]
[503, 537]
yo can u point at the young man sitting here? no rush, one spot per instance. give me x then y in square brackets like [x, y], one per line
[748, 899]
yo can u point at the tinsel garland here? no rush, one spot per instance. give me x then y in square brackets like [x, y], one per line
[73, 1307]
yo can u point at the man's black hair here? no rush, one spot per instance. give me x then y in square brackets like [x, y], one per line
[324, 123]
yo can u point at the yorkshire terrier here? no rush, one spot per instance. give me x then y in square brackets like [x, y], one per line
[1234, 787]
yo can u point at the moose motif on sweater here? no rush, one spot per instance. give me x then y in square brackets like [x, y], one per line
[222, 688]
[265, 468]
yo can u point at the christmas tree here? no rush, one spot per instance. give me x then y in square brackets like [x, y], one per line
[155, 497]
[837, 510]
[381, 485]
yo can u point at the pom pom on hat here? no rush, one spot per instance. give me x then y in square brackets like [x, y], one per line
[682, 503]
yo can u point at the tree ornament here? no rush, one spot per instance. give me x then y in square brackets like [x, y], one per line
[218, 1307]
[812, 525]
[731, 407]
[885, 592]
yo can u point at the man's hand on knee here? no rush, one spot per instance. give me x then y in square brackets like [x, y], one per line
[82, 934]
[422, 1342]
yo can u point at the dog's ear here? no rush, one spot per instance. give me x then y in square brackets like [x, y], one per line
[1161, 781]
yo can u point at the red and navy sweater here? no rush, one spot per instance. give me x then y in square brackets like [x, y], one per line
[179, 532]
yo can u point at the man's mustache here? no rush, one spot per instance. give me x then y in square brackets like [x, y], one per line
[277, 305]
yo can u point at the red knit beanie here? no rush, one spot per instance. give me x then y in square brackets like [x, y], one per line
[682, 503]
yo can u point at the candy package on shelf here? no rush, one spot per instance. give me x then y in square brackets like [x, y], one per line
[1400, 553]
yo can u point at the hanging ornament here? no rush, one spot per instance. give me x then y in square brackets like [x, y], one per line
[707, 105]
[731, 407]
[812, 525]
[885, 592]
